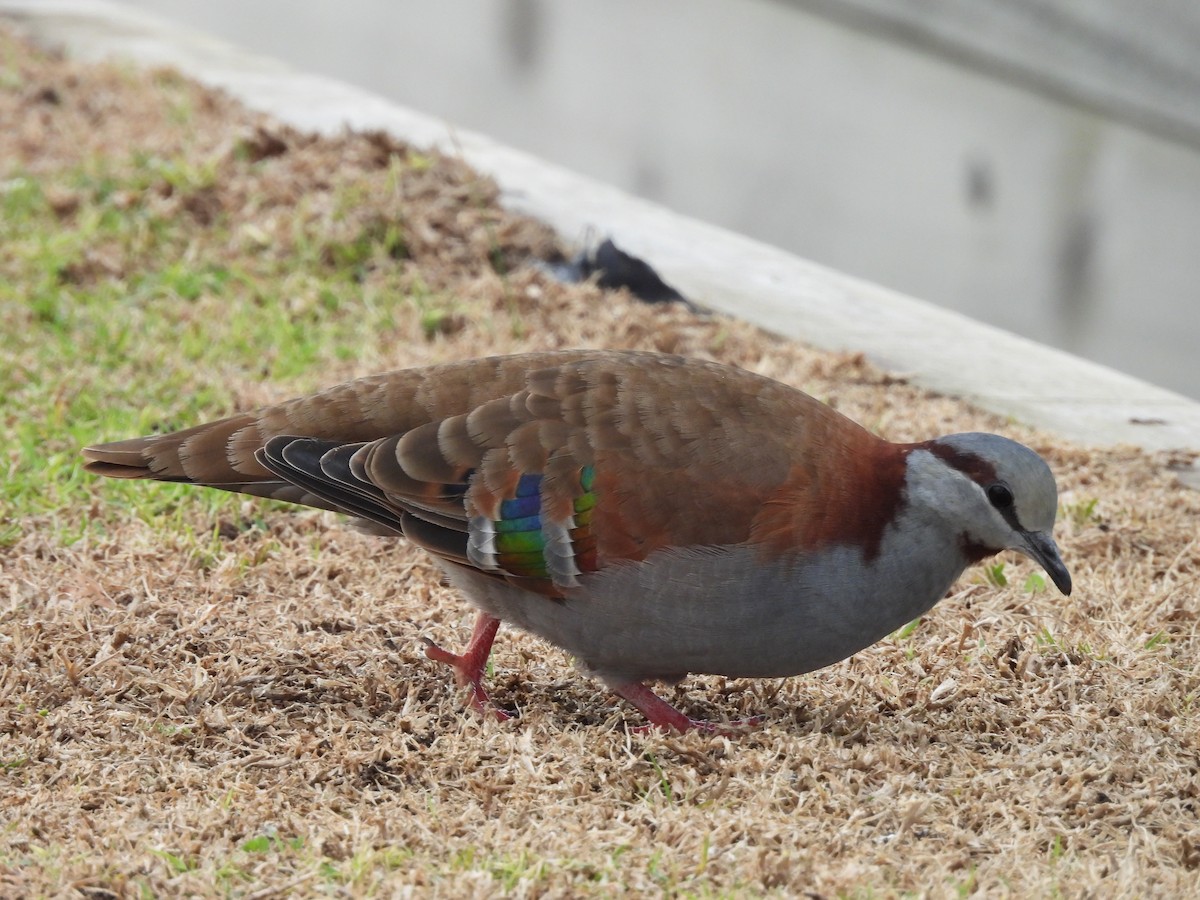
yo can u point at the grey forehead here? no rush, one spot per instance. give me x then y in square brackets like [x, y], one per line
[1026, 473]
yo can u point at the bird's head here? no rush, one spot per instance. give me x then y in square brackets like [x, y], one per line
[997, 493]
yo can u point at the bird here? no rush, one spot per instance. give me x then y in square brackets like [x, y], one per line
[653, 515]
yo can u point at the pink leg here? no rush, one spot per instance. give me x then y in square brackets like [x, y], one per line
[469, 665]
[660, 713]
[663, 715]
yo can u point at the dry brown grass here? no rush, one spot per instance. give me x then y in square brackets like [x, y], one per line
[229, 699]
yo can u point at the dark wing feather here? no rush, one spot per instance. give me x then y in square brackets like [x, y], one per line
[321, 468]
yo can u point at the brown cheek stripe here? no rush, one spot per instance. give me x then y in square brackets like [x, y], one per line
[982, 473]
[978, 470]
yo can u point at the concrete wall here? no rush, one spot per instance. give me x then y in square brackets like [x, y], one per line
[1133, 62]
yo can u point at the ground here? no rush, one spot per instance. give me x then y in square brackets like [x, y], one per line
[206, 695]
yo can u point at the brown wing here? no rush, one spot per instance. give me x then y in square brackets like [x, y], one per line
[538, 467]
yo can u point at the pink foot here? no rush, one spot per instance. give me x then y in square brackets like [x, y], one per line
[469, 665]
[663, 715]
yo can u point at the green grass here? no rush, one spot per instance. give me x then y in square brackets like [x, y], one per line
[994, 573]
[1083, 513]
[176, 863]
[117, 320]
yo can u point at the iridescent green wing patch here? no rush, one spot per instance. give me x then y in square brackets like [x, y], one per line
[525, 542]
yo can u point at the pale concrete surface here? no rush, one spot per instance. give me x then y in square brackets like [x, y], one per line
[1082, 401]
[1131, 61]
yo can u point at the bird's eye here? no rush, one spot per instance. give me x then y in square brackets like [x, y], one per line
[1000, 496]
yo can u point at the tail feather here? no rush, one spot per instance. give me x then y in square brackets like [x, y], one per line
[213, 454]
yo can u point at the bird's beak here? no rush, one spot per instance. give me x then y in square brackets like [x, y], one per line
[1041, 547]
